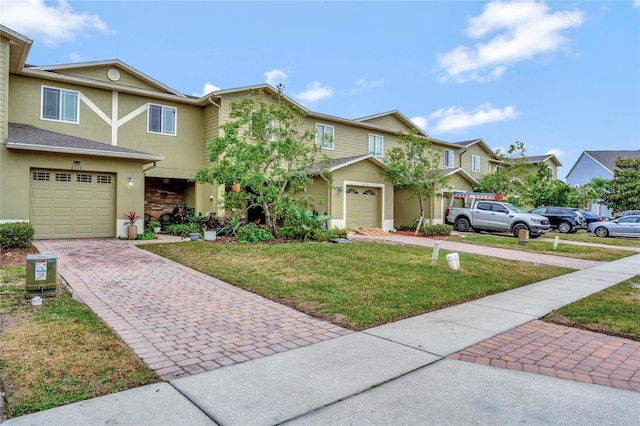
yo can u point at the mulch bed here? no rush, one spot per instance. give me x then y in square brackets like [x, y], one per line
[16, 256]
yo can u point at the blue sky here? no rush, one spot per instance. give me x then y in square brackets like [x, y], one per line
[561, 77]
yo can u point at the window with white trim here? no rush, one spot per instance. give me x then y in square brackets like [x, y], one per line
[448, 158]
[498, 169]
[162, 119]
[376, 143]
[324, 136]
[475, 163]
[60, 104]
[256, 130]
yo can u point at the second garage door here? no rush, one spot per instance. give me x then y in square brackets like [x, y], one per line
[363, 207]
[73, 204]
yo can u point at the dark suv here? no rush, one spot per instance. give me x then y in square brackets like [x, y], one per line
[563, 219]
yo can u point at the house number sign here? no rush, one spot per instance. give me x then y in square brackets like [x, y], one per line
[76, 165]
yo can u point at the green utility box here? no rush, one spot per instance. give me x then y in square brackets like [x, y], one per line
[41, 275]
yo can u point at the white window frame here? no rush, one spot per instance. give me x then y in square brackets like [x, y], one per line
[374, 149]
[61, 108]
[550, 170]
[448, 155]
[322, 141]
[163, 128]
[475, 163]
[498, 169]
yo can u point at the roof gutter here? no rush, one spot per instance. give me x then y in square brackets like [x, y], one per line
[80, 151]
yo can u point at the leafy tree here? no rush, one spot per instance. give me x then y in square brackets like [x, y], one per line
[624, 189]
[508, 181]
[544, 190]
[416, 167]
[264, 155]
[595, 190]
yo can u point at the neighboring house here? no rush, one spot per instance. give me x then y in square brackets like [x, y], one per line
[597, 164]
[83, 144]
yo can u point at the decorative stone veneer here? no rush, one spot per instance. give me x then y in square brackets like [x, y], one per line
[162, 195]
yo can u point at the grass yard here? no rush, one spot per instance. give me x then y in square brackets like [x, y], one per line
[546, 247]
[614, 311]
[60, 353]
[582, 236]
[356, 285]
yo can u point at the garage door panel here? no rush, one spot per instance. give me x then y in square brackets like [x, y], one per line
[43, 212]
[71, 205]
[363, 207]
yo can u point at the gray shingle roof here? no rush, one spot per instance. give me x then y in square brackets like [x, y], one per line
[27, 137]
[608, 158]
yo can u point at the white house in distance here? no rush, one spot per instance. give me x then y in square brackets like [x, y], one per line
[596, 164]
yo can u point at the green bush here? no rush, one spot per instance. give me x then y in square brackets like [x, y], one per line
[437, 230]
[182, 230]
[252, 233]
[16, 235]
[147, 235]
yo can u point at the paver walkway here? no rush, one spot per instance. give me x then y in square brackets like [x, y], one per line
[177, 320]
[564, 352]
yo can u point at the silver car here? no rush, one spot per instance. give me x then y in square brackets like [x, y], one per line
[626, 226]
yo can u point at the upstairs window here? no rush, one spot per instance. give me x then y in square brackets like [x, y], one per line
[162, 119]
[475, 163]
[257, 127]
[448, 158]
[376, 145]
[60, 105]
[324, 136]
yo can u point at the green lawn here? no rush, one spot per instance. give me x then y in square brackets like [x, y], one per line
[613, 311]
[545, 246]
[357, 285]
[590, 238]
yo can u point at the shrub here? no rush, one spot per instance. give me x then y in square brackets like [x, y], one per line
[252, 233]
[16, 235]
[182, 230]
[147, 235]
[437, 230]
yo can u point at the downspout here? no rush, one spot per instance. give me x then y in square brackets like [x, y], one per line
[144, 171]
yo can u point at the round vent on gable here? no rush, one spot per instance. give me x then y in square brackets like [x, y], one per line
[113, 74]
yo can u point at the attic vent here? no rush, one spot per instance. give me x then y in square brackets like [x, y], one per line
[113, 74]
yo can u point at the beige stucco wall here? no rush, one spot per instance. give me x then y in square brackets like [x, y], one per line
[478, 150]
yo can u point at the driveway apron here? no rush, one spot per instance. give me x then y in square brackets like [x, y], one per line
[177, 320]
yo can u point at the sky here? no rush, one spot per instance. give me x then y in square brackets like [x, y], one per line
[560, 76]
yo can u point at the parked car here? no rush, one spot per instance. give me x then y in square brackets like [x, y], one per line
[563, 219]
[627, 213]
[626, 226]
[589, 217]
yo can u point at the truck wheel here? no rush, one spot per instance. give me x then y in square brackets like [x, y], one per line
[462, 224]
[519, 227]
[564, 227]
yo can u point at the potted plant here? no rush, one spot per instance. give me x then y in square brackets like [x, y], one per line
[209, 226]
[132, 228]
[155, 225]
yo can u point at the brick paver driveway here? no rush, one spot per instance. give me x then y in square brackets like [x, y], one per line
[177, 320]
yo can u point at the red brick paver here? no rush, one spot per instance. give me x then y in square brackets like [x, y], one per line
[177, 320]
[564, 352]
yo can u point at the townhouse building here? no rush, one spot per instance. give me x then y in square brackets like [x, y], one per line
[83, 144]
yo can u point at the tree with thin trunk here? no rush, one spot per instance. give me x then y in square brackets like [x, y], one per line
[415, 166]
[264, 155]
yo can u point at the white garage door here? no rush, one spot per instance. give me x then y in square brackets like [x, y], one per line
[363, 207]
[72, 204]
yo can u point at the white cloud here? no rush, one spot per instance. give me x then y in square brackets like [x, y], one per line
[520, 30]
[555, 151]
[314, 93]
[420, 121]
[275, 77]
[75, 57]
[206, 89]
[52, 23]
[636, 3]
[456, 118]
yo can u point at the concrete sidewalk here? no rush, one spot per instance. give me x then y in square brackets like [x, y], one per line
[397, 373]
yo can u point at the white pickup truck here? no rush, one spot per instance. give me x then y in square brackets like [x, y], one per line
[496, 216]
